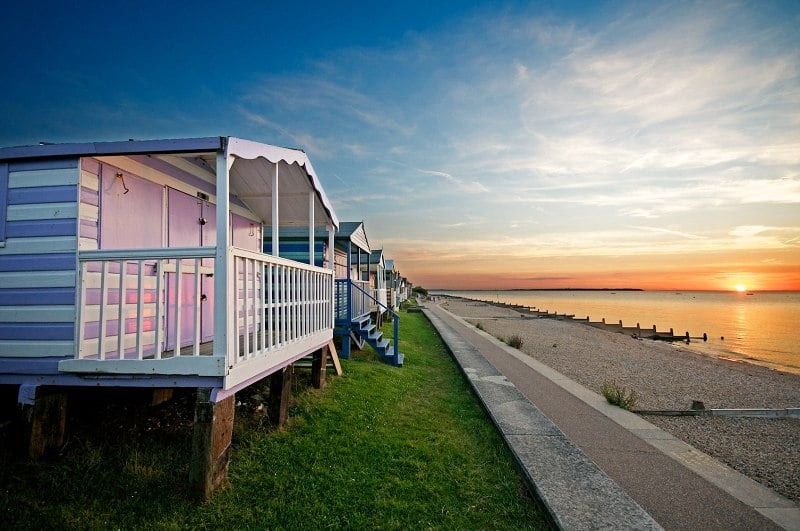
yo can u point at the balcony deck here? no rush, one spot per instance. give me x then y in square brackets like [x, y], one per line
[276, 311]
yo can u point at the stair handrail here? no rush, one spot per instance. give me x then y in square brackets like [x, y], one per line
[395, 322]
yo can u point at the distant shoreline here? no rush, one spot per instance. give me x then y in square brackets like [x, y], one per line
[543, 289]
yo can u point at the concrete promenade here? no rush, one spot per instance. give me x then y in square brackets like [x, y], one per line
[634, 470]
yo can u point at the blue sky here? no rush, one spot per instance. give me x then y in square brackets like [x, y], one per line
[652, 144]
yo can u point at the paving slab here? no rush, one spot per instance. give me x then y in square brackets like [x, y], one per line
[679, 486]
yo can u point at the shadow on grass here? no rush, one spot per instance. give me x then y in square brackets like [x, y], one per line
[380, 447]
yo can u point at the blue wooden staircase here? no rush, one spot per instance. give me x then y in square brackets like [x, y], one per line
[356, 327]
[366, 332]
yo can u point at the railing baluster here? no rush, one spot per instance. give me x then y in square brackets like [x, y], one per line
[295, 305]
[235, 295]
[314, 301]
[81, 309]
[262, 312]
[299, 279]
[298, 305]
[270, 312]
[306, 298]
[291, 321]
[254, 305]
[245, 308]
[284, 301]
[158, 325]
[197, 303]
[101, 330]
[139, 308]
[178, 283]
[121, 307]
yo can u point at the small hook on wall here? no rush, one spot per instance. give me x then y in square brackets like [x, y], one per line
[122, 178]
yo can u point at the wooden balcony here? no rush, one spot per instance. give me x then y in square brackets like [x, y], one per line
[153, 312]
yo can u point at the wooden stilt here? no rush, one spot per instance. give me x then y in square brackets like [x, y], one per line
[161, 395]
[44, 412]
[334, 357]
[213, 430]
[319, 366]
[280, 392]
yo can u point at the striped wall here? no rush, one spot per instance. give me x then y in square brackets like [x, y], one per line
[92, 176]
[89, 207]
[297, 249]
[38, 259]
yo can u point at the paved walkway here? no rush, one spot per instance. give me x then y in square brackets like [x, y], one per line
[679, 486]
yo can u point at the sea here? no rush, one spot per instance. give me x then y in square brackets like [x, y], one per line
[755, 327]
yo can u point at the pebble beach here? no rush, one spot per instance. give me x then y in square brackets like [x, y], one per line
[665, 376]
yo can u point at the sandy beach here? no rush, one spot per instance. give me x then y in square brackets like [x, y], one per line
[666, 376]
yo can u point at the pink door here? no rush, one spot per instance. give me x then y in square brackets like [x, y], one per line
[208, 236]
[191, 222]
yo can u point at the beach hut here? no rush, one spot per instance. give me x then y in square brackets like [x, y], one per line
[140, 264]
[355, 296]
[393, 285]
[359, 305]
[377, 279]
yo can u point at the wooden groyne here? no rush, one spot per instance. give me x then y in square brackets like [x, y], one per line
[634, 331]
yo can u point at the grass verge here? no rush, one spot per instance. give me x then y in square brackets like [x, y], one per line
[381, 447]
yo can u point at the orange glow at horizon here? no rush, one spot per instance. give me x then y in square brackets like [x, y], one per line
[698, 272]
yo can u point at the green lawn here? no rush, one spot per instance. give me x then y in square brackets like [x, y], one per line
[380, 447]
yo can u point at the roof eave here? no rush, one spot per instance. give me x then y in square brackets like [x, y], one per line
[128, 147]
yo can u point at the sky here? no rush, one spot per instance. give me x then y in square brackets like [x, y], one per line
[485, 145]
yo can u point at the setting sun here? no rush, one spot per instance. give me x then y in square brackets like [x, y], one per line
[741, 288]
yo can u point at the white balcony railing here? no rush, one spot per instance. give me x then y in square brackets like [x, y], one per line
[380, 296]
[152, 311]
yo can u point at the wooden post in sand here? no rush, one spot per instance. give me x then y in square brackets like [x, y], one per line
[211, 441]
[44, 414]
[319, 365]
[280, 391]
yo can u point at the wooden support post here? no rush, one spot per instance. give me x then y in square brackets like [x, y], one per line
[211, 442]
[335, 357]
[44, 412]
[280, 392]
[161, 395]
[319, 365]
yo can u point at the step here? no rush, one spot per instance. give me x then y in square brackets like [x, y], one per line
[376, 337]
[359, 321]
[383, 344]
[367, 329]
[389, 357]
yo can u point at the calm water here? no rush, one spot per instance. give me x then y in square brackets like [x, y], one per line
[759, 328]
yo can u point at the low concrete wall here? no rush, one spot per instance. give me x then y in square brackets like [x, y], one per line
[573, 491]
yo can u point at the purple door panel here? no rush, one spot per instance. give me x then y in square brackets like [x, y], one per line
[209, 237]
[183, 230]
[130, 211]
[246, 234]
[183, 213]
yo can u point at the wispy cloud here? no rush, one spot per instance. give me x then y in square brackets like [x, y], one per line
[324, 97]
[464, 186]
[312, 145]
[669, 232]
